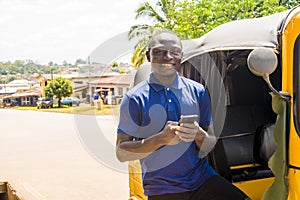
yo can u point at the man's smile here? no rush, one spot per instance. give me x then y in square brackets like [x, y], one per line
[167, 65]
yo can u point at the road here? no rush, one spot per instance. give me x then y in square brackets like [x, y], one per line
[61, 156]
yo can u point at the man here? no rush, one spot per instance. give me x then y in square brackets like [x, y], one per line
[149, 130]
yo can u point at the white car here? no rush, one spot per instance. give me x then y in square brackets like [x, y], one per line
[70, 101]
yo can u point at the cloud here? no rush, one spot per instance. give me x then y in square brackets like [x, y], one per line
[57, 30]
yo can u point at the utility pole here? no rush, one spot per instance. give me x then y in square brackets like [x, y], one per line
[51, 70]
[89, 80]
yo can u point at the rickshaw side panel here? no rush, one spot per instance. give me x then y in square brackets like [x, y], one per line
[289, 40]
[251, 189]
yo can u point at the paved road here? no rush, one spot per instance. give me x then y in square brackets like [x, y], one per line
[58, 156]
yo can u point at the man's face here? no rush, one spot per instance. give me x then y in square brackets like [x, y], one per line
[165, 54]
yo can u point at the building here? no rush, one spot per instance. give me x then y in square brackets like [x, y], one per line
[20, 92]
[113, 87]
[108, 84]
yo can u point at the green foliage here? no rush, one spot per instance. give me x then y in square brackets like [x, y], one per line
[80, 61]
[193, 18]
[139, 55]
[65, 63]
[160, 15]
[26, 67]
[59, 87]
[115, 64]
[289, 3]
[123, 71]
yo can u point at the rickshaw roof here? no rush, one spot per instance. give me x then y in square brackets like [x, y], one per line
[239, 34]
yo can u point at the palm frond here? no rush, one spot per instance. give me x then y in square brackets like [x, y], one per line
[146, 10]
[139, 54]
[141, 30]
[160, 14]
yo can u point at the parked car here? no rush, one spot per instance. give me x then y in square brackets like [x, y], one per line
[10, 103]
[70, 101]
[44, 103]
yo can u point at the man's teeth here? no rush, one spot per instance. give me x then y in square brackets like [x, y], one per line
[167, 65]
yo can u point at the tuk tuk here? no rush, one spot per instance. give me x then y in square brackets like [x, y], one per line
[251, 68]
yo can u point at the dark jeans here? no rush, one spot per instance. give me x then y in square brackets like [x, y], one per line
[215, 188]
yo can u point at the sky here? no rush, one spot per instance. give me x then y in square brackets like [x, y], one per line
[61, 30]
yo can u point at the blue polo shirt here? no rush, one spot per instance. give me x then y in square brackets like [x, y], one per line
[144, 111]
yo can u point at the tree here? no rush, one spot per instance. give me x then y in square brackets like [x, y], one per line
[192, 19]
[80, 61]
[160, 16]
[65, 63]
[288, 3]
[59, 87]
[195, 18]
[115, 64]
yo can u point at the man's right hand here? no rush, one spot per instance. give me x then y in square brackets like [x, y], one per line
[129, 149]
[169, 135]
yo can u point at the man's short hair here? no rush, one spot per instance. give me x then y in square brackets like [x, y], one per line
[157, 32]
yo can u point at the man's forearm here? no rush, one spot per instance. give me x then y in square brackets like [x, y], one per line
[204, 141]
[134, 150]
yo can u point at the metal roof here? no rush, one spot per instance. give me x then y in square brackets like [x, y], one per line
[121, 79]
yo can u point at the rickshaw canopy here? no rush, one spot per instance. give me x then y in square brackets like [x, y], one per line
[239, 34]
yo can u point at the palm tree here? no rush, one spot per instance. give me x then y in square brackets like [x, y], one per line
[143, 32]
[161, 18]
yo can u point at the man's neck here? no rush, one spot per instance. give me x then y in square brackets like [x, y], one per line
[165, 80]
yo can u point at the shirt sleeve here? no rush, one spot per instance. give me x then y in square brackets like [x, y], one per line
[129, 117]
[205, 109]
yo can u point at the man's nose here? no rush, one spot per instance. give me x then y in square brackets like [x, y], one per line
[168, 55]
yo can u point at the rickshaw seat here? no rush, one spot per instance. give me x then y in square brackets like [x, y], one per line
[265, 144]
[244, 141]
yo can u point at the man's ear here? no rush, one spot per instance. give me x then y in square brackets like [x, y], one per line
[148, 56]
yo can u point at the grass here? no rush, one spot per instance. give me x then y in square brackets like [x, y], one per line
[84, 110]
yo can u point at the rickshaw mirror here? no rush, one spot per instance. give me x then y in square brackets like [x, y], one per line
[262, 61]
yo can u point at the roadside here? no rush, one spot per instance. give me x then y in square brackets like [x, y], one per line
[9, 193]
[84, 109]
[47, 156]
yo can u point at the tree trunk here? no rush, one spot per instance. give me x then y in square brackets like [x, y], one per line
[59, 102]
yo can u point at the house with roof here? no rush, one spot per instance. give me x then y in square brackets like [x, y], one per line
[100, 79]
[22, 92]
[112, 88]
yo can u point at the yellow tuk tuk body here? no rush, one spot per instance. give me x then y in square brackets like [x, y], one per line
[290, 84]
[259, 133]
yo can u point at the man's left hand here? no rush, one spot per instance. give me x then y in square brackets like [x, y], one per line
[189, 131]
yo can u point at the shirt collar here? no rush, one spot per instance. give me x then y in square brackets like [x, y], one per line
[157, 86]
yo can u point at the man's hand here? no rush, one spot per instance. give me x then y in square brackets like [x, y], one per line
[187, 132]
[130, 149]
[169, 135]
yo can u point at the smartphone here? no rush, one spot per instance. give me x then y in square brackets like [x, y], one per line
[188, 118]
